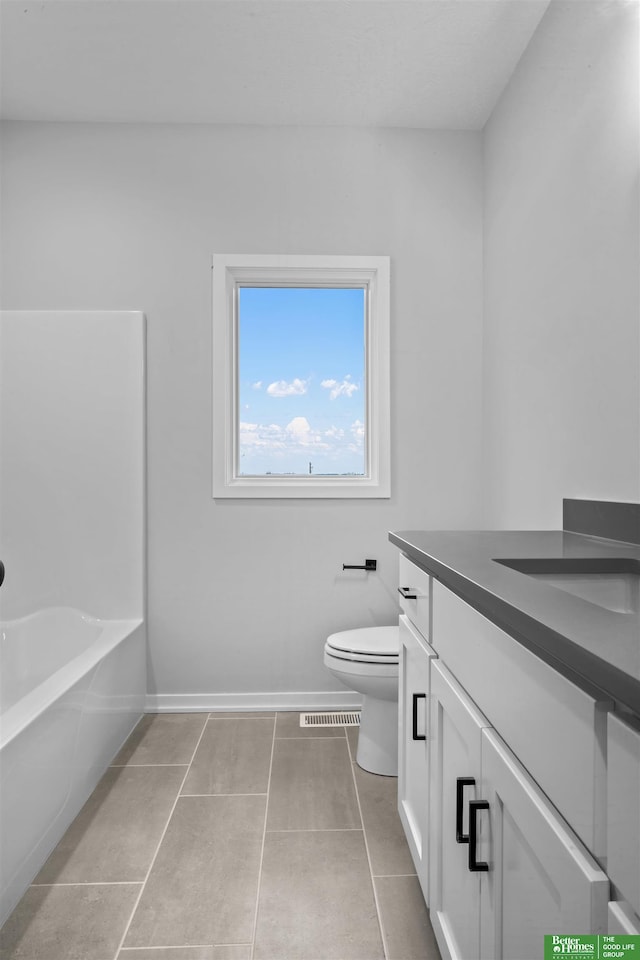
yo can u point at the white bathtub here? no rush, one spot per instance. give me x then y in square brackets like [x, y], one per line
[71, 690]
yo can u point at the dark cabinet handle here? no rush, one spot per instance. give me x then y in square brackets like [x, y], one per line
[461, 783]
[409, 593]
[476, 866]
[416, 697]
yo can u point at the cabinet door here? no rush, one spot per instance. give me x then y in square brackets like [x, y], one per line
[623, 808]
[454, 891]
[413, 746]
[541, 879]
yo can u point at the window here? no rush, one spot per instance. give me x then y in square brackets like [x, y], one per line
[300, 376]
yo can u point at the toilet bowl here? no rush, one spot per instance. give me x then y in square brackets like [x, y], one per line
[366, 660]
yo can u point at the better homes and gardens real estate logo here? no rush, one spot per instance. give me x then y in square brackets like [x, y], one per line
[591, 947]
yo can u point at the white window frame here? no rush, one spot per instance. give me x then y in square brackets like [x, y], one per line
[232, 270]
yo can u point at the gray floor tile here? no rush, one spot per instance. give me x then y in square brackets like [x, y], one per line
[288, 725]
[352, 737]
[203, 884]
[163, 738]
[68, 923]
[316, 899]
[388, 848]
[117, 832]
[228, 951]
[233, 756]
[405, 919]
[311, 786]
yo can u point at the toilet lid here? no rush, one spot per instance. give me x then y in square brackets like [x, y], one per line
[377, 643]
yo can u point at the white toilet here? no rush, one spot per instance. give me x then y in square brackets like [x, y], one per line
[366, 660]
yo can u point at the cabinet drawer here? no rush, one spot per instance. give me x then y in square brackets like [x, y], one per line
[555, 728]
[623, 808]
[415, 595]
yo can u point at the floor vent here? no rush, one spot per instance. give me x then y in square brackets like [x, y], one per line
[351, 719]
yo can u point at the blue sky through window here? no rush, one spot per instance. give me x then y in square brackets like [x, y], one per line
[301, 380]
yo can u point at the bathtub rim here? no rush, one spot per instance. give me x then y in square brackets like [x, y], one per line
[20, 714]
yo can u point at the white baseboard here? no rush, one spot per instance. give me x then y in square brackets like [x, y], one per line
[309, 700]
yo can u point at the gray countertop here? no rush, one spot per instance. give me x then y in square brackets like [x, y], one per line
[582, 639]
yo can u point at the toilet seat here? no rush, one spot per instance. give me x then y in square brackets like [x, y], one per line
[359, 657]
[367, 644]
[361, 668]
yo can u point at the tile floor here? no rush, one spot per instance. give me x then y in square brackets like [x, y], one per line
[229, 837]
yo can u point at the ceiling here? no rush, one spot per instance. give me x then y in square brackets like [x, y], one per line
[431, 64]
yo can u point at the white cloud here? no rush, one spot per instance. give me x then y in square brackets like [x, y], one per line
[300, 431]
[357, 428]
[297, 435]
[346, 389]
[256, 436]
[299, 428]
[280, 388]
[257, 385]
[283, 447]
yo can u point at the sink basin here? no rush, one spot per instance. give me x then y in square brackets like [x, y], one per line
[609, 582]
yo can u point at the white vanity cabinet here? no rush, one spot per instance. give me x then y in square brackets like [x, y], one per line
[413, 746]
[505, 866]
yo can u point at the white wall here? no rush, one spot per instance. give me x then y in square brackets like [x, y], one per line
[72, 462]
[561, 270]
[243, 594]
